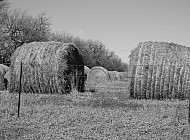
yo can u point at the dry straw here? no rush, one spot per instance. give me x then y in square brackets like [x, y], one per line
[160, 70]
[48, 67]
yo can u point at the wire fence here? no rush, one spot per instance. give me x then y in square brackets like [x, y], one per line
[138, 77]
[48, 81]
[141, 81]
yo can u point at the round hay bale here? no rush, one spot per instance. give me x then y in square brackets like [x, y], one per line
[3, 69]
[48, 67]
[98, 73]
[2, 85]
[159, 70]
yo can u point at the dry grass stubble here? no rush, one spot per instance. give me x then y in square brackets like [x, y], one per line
[58, 117]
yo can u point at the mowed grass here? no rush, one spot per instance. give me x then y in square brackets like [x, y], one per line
[96, 116]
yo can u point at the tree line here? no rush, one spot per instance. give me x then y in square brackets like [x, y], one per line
[17, 27]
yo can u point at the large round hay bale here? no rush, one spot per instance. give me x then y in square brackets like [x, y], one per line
[2, 85]
[3, 69]
[98, 73]
[159, 70]
[48, 67]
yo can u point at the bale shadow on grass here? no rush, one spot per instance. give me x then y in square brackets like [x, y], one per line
[108, 103]
[115, 103]
[52, 99]
[103, 100]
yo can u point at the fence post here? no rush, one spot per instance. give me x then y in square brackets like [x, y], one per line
[20, 86]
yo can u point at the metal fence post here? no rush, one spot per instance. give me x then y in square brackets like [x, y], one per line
[20, 86]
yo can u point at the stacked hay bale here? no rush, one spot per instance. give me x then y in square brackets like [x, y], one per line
[159, 70]
[3, 70]
[117, 76]
[123, 76]
[2, 84]
[48, 67]
[114, 75]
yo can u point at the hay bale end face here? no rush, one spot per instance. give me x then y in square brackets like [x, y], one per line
[98, 74]
[159, 70]
[48, 67]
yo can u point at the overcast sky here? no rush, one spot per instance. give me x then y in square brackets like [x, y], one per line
[119, 24]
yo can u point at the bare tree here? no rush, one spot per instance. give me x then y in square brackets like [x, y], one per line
[17, 28]
[22, 28]
[94, 52]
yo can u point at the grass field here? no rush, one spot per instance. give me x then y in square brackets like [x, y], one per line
[93, 116]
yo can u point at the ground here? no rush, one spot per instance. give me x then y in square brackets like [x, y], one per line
[97, 115]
